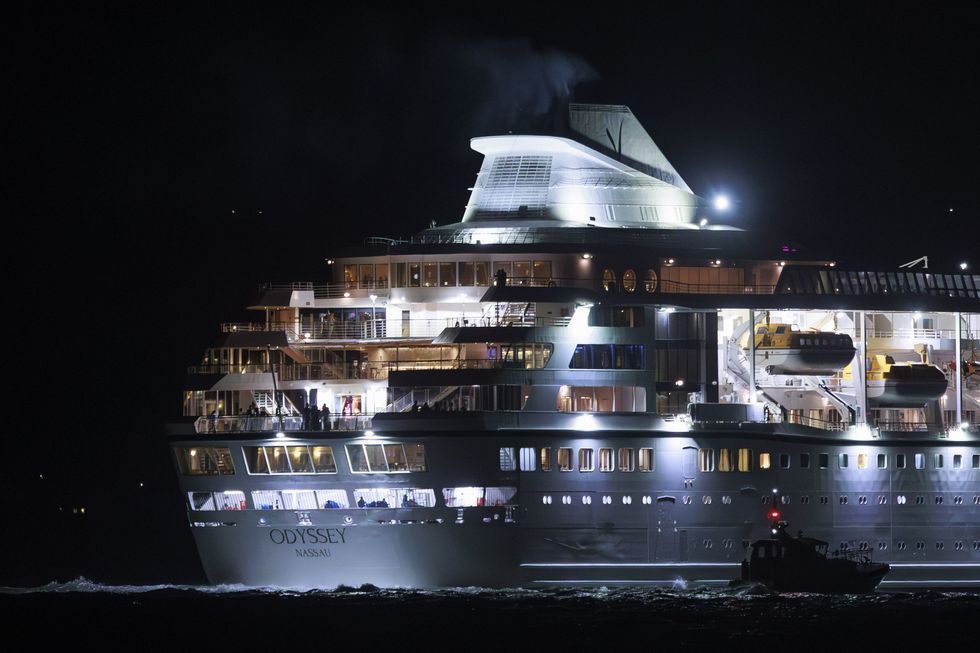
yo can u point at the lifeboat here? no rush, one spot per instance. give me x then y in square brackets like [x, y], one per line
[901, 385]
[781, 350]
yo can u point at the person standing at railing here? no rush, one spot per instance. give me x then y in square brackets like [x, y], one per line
[325, 416]
[213, 421]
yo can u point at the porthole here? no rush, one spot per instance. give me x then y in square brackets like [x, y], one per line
[608, 280]
[784, 499]
[727, 500]
[650, 281]
[939, 501]
[686, 500]
[706, 500]
[900, 499]
[629, 281]
[586, 500]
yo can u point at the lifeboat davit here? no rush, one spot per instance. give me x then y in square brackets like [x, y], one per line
[901, 385]
[781, 350]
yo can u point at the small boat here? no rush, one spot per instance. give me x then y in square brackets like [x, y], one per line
[801, 564]
[781, 350]
[901, 385]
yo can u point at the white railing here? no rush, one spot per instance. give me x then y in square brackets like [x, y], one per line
[925, 334]
[266, 424]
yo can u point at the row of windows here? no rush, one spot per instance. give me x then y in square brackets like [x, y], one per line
[331, 499]
[727, 460]
[607, 357]
[394, 458]
[784, 499]
[840, 282]
[609, 280]
[464, 273]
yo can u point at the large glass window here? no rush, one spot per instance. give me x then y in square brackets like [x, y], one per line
[205, 461]
[608, 280]
[541, 272]
[725, 462]
[447, 274]
[465, 273]
[706, 460]
[323, 460]
[367, 275]
[430, 274]
[470, 497]
[278, 460]
[522, 273]
[745, 460]
[414, 275]
[300, 461]
[586, 460]
[401, 276]
[381, 275]
[482, 273]
[386, 458]
[507, 461]
[765, 460]
[527, 459]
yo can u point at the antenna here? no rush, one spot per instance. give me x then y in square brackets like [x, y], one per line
[924, 260]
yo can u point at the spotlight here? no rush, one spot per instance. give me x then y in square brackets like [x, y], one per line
[722, 203]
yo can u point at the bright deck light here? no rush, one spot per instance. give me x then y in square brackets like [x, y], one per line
[722, 203]
[963, 265]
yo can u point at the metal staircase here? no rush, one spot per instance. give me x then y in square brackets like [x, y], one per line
[264, 399]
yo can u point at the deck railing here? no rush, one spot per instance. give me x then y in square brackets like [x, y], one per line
[263, 424]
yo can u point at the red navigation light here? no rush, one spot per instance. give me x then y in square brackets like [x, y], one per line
[774, 515]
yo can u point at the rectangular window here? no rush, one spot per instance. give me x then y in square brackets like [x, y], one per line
[332, 499]
[586, 462]
[201, 500]
[323, 460]
[350, 276]
[522, 273]
[626, 459]
[706, 460]
[920, 461]
[205, 461]
[415, 455]
[401, 276]
[842, 460]
[395, 457]
[278, 460]
[765, 460]
[606, 460]
[957, 461]
[465, 274]
[939, 460]
[447, 274]
[430, 274]
[482, 273]
[267, 500]
[784, 461]
[564, 459]
[414, 275]
[862, 461]
[367, 275]
[527, 459]
[255, 460]
[804, 461]
[469, 497]
[299, 460]
[381, 275]
[823, 460]
[230, 500]
[725, 462]
[900, 461]
[882, 461]
[976, 461]
[299, 500]
[546, 459]
[375, 455]
[507, 461]
[647, 462]
[395, 497]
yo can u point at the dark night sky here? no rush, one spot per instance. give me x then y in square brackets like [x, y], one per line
[133, 133]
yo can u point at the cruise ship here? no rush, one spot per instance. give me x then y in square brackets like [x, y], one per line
[587, 379]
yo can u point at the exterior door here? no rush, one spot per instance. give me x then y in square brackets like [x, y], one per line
[406, 324]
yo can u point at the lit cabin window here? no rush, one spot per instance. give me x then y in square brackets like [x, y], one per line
[862, 461]
[586, 460]
[201, 500]
[564, 459]
[939, 460]
[546, 459]
[647, 462]
[471, 497]
[205, 461]
[805, 461]
[527, 459]
[706, 460]
[823, 460]
[608, 280]
[323, 460]
[920, 461]
[725, 462]
[650, 281]
[386, 458]
[842, 460]
[745, 460]
[396, 497]
[976, 461]
[507, 461]
[284, 500]
[629, 281]
[299, 460]
[784, 461]
[626, 459]
[957, 461]
[765, 460]
[882, 461]
[900, 461]
[606, 460]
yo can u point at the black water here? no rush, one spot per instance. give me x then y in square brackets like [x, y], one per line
[471, 618]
